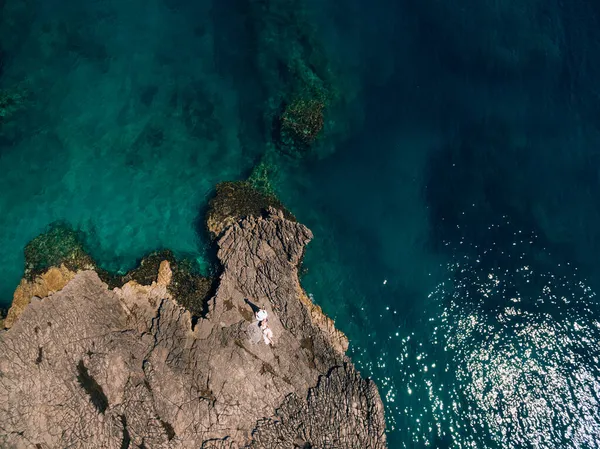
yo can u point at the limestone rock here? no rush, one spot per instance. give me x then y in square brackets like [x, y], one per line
[90, 367]
[164, 273]
[336, 338]
[48, 283]
[336, 410]
[180, 276]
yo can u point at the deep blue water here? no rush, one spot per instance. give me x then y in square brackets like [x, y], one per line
[455, 202]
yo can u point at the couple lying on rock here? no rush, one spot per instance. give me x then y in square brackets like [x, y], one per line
[262, 318]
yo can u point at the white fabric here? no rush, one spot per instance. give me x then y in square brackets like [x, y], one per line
[267, 335]
[261, 315]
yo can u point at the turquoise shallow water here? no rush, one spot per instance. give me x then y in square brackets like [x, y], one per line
[128, 129]
[455, 215]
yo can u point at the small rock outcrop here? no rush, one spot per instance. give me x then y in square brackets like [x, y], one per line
[44, 285]
[86, 366]
[236, 200]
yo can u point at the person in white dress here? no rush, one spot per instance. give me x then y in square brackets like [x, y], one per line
[267, 332]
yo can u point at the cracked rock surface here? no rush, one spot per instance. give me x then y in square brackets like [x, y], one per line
[89, 367]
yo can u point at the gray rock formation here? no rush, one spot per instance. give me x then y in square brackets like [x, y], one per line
[89, 367]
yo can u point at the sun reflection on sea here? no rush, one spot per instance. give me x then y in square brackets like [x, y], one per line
[507, 355]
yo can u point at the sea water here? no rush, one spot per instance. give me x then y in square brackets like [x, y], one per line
[456, 222]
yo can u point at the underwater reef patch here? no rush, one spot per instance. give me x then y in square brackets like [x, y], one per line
[236, 200]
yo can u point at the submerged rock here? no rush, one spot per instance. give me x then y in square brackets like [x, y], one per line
[59, 245]
[301, 123]
[92, 367]
[302, 83]
[11, 101]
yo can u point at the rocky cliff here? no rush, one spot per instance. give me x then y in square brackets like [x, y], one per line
[87, 366]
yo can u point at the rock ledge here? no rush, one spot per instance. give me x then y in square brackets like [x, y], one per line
[89, 367]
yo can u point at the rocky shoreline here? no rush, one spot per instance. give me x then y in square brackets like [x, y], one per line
[88, 364]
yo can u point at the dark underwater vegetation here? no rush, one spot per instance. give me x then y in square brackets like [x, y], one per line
[446, 155]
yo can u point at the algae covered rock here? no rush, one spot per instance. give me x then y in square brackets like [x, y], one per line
[236, 200]
[301, 81]
[60, 245]
[180, 276]
[62, 248]
[301, 123]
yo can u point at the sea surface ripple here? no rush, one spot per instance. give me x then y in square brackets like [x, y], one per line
[505, 354]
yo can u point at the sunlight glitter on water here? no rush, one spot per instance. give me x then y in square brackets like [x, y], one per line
[507, 355]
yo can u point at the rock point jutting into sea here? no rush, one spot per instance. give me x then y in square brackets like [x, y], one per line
[94, 360]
